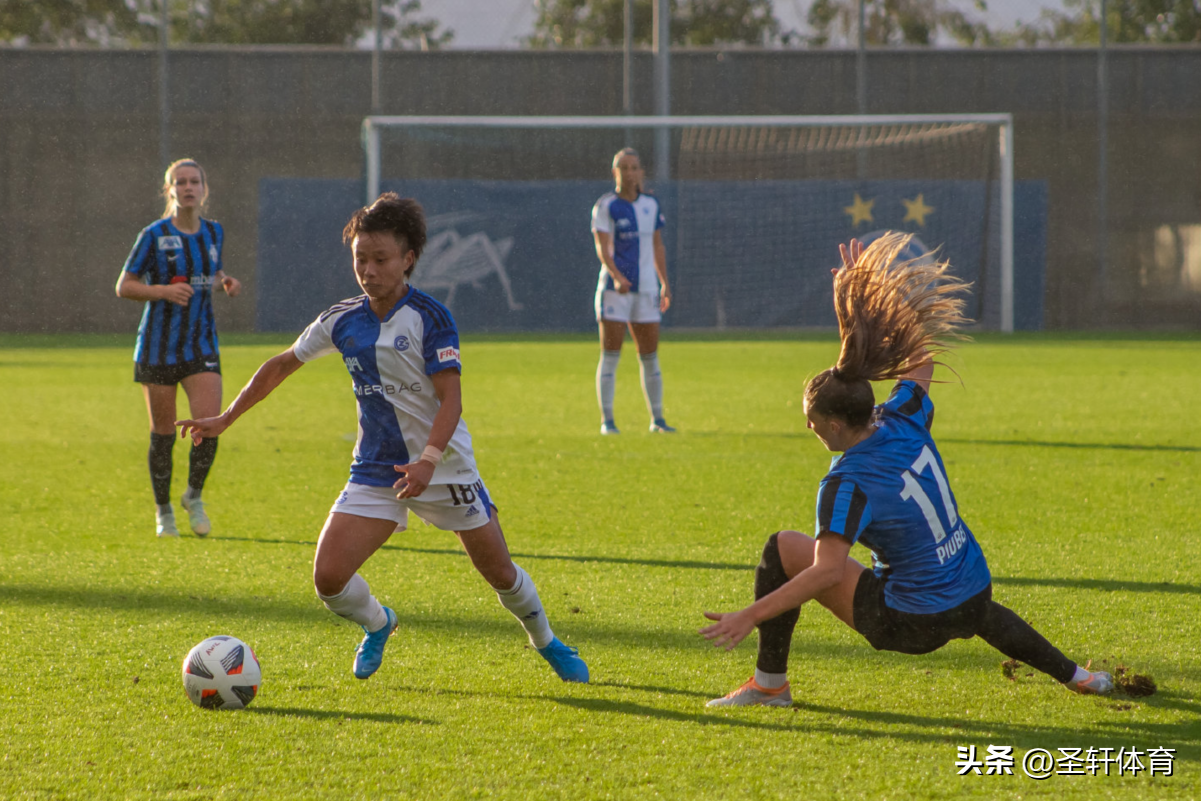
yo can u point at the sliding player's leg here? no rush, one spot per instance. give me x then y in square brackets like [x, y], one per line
[204, 400]
[1001, 628]
[346, 542]
[785, 555]
[516, 591]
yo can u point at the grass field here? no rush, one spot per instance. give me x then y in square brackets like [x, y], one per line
[1077, 463]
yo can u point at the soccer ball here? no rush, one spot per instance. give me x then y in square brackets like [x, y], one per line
[221, 673]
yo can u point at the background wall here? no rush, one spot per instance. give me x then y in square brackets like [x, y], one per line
[79, 138]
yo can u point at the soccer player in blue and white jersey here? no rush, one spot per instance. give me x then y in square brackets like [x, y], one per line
[173, 267]
[887, 489]
[632, 289]
[413, 453]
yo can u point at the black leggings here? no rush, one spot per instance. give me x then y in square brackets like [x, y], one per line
[888, 629]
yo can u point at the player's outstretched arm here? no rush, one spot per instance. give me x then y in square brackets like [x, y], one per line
[828, 569]
[269, 376]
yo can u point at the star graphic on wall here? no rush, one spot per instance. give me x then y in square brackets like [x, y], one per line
[860, 210]
[916, 210]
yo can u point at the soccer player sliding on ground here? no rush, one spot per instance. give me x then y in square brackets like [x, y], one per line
[888, 490]
[401, 348]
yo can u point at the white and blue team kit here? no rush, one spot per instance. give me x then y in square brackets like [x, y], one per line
[890, 492]
[170, 334]
[390, 362]
[632, 226]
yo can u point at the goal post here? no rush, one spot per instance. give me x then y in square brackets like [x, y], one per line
[734, 154]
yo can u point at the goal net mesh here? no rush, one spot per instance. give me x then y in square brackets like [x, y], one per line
[754, 214]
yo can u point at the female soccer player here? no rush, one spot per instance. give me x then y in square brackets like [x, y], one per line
[632, 288]
[888, 490]
[401, 348]
[172, 268]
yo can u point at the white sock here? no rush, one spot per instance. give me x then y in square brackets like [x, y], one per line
[652, 384]
[606, 382]
[164, 509]
[356, 603]
[770, 681]
[191, 494]
[1081, 675]
[522, 600]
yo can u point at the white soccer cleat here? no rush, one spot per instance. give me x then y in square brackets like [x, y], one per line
[164, 523]
[1097, 683]
[198, 519]
[751, 694]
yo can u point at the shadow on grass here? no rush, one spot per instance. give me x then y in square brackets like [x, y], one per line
[1104, 585]
[686, 564]
[1033, 443]
[333, 714]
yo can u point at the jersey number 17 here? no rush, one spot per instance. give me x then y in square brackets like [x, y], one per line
[913, 491]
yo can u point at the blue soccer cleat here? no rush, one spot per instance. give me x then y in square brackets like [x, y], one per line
[660, 426]
[370, 653]
[609, 427]
[566, 661]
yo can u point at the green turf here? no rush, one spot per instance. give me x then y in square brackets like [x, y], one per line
[1076, 462]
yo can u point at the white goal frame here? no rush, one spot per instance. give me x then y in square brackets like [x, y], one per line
[374, 124]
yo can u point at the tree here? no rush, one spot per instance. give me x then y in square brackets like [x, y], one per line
[600, 23]
[896, 22]
[135, 22]
[1129, 21]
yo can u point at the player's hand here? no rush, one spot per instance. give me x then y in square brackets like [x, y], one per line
[204, 428]
[623, 284]
[415, 477]
[730, 629]
[231, 285]
[850, 255]
[179, 293]
[664, 300]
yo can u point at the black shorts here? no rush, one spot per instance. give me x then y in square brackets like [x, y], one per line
[169, 374]
[888, 629]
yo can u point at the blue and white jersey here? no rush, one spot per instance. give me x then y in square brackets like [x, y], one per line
[171, 334]
[390, 364]
[632, 226]
[891, 493]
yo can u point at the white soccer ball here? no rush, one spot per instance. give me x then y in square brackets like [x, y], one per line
[221, 673]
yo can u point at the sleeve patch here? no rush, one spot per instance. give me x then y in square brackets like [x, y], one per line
[448, 354]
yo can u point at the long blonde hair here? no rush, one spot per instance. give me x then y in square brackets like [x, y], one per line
[169, 183]
[892, 317]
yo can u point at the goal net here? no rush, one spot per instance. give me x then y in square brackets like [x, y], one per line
[755, 209]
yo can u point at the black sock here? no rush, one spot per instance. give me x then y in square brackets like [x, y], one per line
[161, 446]
[199, 462]
[1017, 639]
[775, 635]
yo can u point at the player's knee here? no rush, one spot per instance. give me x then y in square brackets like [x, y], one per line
[769, 574]
[326, 582]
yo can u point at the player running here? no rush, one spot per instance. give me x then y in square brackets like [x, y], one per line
[888, 490]
[632, 288]
[401, 348]
[173, 266]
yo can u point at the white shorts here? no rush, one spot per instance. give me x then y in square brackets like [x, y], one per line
[450, 507]
[632, 307]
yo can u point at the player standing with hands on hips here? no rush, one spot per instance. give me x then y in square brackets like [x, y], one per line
[888, 489]
[173, 266]
[632, 289]
[401, 348]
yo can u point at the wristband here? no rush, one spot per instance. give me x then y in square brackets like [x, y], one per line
[431, 455]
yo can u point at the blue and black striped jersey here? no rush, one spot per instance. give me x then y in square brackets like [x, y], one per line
[890, 492]
[171, 334]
